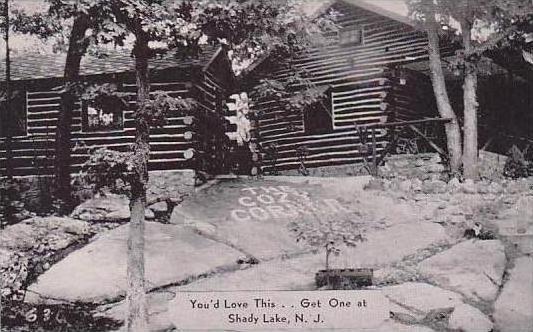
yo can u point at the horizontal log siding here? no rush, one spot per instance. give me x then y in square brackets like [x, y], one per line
[362, 91]
[34, 153]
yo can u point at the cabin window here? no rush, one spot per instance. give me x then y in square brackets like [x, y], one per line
[317, 120]
[14, 122]
[350, 36]
[106, 115]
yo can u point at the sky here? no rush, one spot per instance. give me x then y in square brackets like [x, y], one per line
[20, 44]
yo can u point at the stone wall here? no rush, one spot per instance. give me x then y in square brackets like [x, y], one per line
[329, 171]
[422, 166]
[491, 165]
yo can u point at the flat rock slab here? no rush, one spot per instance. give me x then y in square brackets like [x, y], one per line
[467, 318]
[418, 299]
[293, 274]
[513, 310]
[473, 268]
[254, 216]
[97, 272]
[415, 302]
[391, 245]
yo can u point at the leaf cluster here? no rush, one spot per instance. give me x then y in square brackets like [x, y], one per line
[161, 105]
[108, 168]
[328, 231]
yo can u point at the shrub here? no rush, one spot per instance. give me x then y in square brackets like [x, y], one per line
[328, 232]
[517, 165]
[11, 206]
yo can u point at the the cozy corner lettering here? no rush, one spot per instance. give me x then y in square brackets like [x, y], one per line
[266, 202]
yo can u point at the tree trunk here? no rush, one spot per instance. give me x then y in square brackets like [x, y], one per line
[137, 320]
[76, 49]
[8, 115]
[470, 139]
[453, 132]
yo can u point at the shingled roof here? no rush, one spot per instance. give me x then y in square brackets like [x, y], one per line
[31, 66]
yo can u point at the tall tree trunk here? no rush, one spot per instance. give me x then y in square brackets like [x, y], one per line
[470, 139]
[76, 49]
[137, 320]
[8, 114]
[453, 132]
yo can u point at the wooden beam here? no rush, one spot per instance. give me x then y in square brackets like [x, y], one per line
[430, 141]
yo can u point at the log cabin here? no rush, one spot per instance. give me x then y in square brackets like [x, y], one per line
[364, 82]
[374, 75]
[185, 141]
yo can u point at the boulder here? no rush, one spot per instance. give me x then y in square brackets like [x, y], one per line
[5, 257]
[469, 187]
[111, 208]
[495, 188]
[454, 184]
[434, 187]
[474, 268]
[513, 310]
[518, 219]
[405, 185]
[159, 207]
[149, 214]
[375, 184]
[416, 185]
[58, 231]
[467, 318]
[18, 237]
[518, 186]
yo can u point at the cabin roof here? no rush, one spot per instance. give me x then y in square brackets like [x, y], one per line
[379, 10]
[31, 66]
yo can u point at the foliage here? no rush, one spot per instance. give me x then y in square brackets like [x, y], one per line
[9, 202]
[517, 165]
[328, 232]
[271, 151]
[495, 24]
[302, 152]
[108, 168]
[161, 105]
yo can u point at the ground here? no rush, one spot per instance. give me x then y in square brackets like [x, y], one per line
[233, 234]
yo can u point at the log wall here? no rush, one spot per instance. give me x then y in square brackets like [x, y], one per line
[180, 143]
[364, 87]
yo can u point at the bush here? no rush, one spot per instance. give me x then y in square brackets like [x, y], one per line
[518, 166]
[327, 232]
[11, 206]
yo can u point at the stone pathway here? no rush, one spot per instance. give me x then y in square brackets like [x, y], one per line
[435, 279]
[513, 311]
[97, 272]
